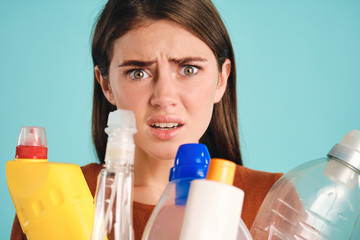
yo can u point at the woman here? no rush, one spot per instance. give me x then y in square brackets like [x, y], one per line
[171, 62]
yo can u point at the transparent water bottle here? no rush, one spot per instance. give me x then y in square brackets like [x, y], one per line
[165, 222]
[113, 201]
[214, 205]
[317, 200]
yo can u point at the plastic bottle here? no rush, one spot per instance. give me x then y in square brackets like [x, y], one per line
[214, 206]
[52, 200]
[317, 200]
[113, 201]
[165, 222]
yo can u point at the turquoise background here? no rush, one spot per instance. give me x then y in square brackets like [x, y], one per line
[298, 68]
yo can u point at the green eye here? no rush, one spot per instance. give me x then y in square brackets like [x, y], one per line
[138, 74]
[189, 70]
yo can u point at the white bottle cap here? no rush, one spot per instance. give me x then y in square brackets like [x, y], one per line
[120, 145]
[352, 140]
[120, 118]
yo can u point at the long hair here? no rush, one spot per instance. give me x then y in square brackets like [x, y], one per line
[199, 17]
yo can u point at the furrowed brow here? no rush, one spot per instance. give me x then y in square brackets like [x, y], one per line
[136, 63]
[187, 60]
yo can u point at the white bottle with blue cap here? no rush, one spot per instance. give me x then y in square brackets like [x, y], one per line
[317, 200]
[166, 220]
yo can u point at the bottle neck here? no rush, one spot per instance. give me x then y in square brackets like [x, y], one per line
[347, 155]
[120, 150]
[116, 166]
[339, 171]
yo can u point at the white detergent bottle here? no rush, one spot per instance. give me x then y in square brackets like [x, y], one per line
[191, 162]
[316, 200]
[214, 206]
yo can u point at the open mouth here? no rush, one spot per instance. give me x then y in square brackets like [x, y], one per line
[165, 126]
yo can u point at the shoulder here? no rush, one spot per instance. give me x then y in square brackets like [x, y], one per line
[245, 176]
[255, 184]
[91, 168]
[254, 181]
[91, 172]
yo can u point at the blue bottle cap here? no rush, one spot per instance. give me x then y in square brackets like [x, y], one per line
[191, 162]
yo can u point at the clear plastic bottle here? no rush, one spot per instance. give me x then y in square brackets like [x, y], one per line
[52, 200]
[165, 222]
[113, 200]
[317, 200]
[214, 206]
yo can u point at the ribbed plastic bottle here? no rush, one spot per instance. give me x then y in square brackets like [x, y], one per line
[214, 206]
[52, 200]
[113, 200]
[165, 222]
[317, 200]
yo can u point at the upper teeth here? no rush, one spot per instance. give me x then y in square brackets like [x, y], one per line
[165, 125]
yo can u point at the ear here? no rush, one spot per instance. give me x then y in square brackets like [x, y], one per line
[105, 85]
[223, 78]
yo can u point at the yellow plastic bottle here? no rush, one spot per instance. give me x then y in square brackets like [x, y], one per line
[52, 200]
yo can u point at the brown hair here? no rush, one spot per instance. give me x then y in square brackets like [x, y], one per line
[199, 17]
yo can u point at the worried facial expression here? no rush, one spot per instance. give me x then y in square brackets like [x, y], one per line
[170, 79]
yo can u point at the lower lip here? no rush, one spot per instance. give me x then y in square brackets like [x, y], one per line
[165, 134]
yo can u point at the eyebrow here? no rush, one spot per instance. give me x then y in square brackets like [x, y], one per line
[136, 63]
[180, 61]
[187, 60]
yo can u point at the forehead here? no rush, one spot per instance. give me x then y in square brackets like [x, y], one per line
[161, 37]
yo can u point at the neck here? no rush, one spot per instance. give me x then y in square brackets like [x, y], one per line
[151, 177]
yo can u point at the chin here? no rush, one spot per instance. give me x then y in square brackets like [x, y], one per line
[165, 153]
[161, 150]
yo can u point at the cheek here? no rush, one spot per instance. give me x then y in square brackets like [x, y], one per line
[125, 97]
[201, 98]
[123, 94]
[204, 93]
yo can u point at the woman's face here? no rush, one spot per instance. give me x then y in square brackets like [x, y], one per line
[170, 79]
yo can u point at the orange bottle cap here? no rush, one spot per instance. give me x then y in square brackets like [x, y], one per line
[221, 170]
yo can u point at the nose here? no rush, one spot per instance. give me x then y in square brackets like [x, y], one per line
[164, 90]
